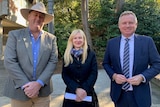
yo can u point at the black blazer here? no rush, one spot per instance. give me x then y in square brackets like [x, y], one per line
[81, 75]
[145, 54]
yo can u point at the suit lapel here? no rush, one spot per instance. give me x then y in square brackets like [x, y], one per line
[117, 48]
[42, 47]
[137, 50]
[28, 44]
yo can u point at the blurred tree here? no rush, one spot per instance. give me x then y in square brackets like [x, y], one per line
[148, 14]
[119, 5]
[84, 15]
[102, 20]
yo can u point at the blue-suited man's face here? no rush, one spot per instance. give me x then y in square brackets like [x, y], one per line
[127, 24]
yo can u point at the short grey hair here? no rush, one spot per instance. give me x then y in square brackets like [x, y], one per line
[128, 13]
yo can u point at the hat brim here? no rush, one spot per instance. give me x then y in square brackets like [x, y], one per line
[48, 17]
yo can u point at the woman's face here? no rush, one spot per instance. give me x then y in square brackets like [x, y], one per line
[78, 41]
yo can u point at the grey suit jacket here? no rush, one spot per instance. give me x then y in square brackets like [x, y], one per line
[145, 54]
[18, 61]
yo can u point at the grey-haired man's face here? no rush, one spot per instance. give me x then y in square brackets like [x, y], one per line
[127, 25]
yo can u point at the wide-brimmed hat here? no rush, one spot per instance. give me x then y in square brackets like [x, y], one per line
[39, 7]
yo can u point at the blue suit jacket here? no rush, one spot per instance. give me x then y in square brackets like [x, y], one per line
[145, 54]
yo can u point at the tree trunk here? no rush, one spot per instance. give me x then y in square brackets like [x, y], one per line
[50, 11]
[84, 14]
[119, 4]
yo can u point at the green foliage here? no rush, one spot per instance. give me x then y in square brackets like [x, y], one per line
[62, 32]
[157, 42]
[148, 15]
[67, 18]
[103, 25]
[103, 20]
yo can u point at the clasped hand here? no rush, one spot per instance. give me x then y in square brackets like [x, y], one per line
[80, 94]
[31, 89]
[120, 79]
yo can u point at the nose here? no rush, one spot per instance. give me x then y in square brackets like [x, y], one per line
[127, 24]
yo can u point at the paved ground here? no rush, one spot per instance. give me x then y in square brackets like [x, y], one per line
[102, 88]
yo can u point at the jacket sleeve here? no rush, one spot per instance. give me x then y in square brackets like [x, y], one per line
[90, 81]
[70, 83]
[11, 62]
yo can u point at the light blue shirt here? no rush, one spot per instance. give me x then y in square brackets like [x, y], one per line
[35, 53]
[131, 54]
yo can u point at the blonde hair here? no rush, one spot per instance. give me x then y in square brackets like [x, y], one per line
[67, 55]
[128, 13]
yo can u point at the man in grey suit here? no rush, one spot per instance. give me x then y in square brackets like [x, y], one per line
[30, 58]
[130, 69]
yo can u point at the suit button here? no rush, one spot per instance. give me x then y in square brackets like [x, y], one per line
[78, 66]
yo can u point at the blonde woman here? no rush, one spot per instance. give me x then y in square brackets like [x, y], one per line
[79, 72]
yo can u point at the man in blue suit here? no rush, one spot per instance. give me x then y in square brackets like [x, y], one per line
[143, 64]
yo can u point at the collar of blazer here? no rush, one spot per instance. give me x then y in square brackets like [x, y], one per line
[28, 44]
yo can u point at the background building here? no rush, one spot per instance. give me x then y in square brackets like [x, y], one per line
[10, 18]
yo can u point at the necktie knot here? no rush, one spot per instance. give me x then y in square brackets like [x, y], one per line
[127, 39]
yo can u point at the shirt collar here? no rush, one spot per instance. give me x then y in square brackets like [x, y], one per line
[41, 32]
[130, 38]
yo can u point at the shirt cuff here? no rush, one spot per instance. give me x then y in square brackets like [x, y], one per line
[144, 79]
[40, 82]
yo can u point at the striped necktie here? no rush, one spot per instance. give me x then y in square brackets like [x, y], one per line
[126, 85]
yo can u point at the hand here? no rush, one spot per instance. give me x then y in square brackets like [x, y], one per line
[135, 80]
[80, 94]
[31, 89]
[119, 78]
